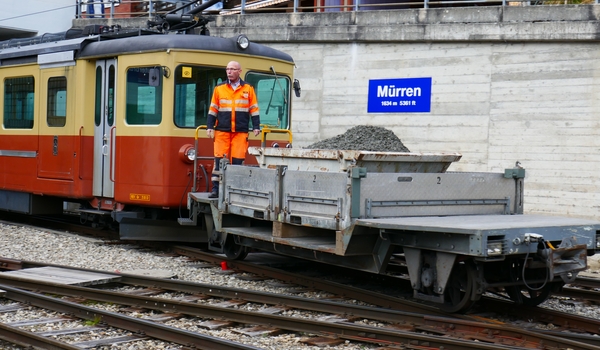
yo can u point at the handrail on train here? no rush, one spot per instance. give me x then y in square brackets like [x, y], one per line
[201, 127]
[265, 129]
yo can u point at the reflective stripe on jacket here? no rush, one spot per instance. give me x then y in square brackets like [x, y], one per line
[232, 110]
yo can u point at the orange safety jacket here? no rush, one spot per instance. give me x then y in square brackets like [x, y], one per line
[231, 110]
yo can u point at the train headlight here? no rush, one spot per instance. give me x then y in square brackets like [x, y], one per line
[242, 41]
[598, 242]
[187, 153]
[494, 248]
[191, 154]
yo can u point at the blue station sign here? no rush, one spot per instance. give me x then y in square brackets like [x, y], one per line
[407, 95]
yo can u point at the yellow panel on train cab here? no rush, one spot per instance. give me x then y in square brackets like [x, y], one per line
[246, 61]
[172, 60]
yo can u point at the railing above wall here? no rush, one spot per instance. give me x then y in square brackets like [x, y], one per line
[151, 8]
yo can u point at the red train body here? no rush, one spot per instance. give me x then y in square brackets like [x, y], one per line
[106, 121]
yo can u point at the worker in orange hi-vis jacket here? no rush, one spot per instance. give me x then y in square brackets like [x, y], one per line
[232, 107]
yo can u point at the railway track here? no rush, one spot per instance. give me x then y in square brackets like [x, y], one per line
[416, 318]
[584, 288]
[130, 328]
[401, 327]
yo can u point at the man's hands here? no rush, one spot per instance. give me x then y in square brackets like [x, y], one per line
[256, 132]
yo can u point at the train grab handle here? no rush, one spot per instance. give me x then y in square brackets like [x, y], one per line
[110, 159]
[80, 151]
[265, 129]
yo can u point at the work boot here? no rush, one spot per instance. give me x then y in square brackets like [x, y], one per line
[215, 179]
[215, 190]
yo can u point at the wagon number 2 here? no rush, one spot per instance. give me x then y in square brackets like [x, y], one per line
[439, 180]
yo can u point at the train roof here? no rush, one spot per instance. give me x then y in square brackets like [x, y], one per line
[92, 46]
[163, 42]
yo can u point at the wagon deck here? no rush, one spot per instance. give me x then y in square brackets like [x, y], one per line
[483, 225]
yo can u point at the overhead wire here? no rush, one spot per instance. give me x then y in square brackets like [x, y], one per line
[37, 13]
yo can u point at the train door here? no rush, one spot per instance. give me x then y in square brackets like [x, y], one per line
[105, 128]
[56, 142]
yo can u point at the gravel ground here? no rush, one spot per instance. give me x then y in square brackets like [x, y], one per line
[25, 243]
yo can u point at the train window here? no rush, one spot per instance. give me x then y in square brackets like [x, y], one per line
[273, 94]
[98, 98]
[193, 92]
[110, 117]
[19, 95]
[144, 100]
[56, 112]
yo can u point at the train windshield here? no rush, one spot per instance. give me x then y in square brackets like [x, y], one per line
[273, 95]
[193, 91]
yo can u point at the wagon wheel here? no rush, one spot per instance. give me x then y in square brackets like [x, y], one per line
[530, 294]
[459, 293]
[233, 250]
[523, 295]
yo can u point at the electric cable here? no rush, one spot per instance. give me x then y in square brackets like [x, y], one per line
[523, 272]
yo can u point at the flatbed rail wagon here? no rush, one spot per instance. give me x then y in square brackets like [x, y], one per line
[460, 234]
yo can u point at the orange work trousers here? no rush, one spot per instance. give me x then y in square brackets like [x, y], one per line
[233, 144]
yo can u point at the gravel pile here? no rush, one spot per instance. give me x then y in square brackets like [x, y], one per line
[363, 138]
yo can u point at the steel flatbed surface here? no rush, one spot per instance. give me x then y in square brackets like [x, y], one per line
[481, 224]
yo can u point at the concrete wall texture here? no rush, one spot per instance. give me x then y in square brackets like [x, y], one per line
[508, 84]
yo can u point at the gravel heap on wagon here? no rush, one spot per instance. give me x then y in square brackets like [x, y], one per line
[363, 138]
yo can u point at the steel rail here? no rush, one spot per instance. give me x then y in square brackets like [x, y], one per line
[582, 338]
[587, 282]
[350, 292]
[591, 295]
[498, 335]
[24, 338]
[136, 325]
[540, 314]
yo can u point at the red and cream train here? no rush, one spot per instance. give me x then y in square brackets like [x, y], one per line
[109, 121]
